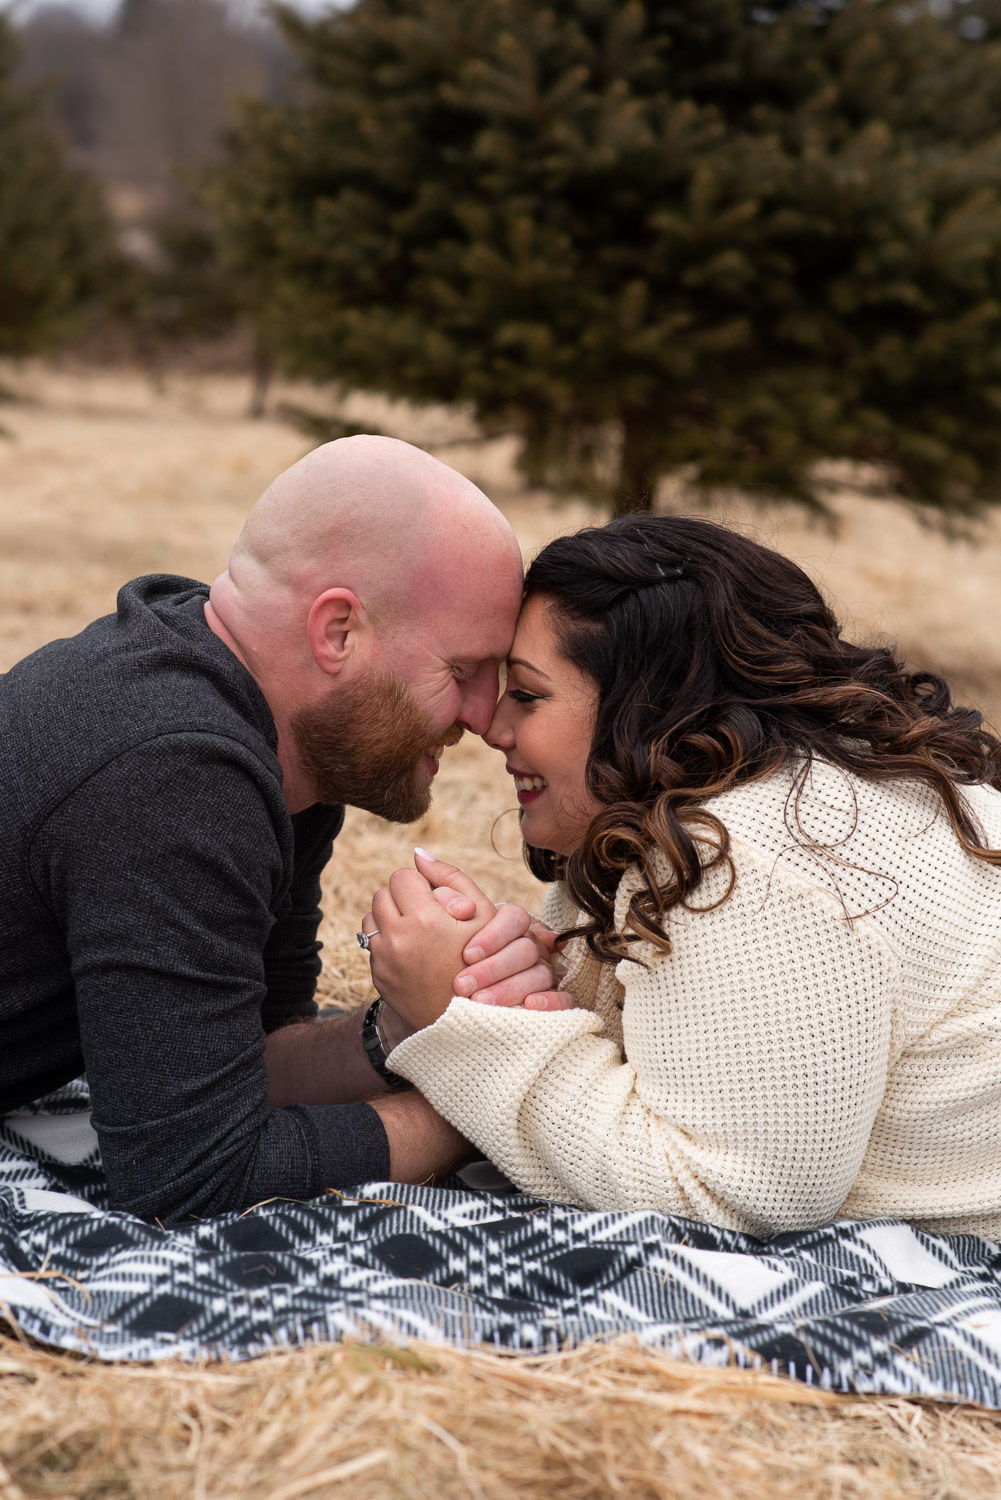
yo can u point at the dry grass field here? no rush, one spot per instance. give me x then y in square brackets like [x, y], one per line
[103, 478]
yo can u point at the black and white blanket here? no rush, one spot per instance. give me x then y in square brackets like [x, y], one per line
[875, 1307]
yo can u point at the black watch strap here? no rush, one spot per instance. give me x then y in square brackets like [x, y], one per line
[375, 1051]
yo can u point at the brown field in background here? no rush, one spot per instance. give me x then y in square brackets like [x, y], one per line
[104, 478]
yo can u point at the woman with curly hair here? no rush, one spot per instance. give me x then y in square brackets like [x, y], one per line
[776, 895]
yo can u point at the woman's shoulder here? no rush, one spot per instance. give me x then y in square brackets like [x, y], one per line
[816, 826]
[865, 842]
[820, 805]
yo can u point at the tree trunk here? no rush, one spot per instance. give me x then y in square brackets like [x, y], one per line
[262, 369]
[637, 479]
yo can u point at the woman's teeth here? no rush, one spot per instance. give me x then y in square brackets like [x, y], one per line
[530, 783]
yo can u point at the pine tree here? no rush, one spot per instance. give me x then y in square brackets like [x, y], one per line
[647, 235]
[54, 233]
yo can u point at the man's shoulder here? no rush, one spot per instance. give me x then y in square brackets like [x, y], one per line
[147, 615]
[151, 671]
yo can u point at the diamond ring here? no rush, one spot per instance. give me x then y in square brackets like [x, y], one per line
[363, 938]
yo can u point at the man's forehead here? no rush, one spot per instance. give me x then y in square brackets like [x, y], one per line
[471, 624]
[476, 640]
[471, 595]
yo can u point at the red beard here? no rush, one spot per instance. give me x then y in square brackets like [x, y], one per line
[364, 744]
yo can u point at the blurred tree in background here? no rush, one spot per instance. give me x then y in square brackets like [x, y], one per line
[54, 230]
[171, 70]
[140, 101]
[150, 88]
[180, 295]
[647, 235]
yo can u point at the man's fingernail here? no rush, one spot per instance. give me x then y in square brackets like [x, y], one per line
[533, 1002]
[474, 955]
[424, 853]
[465, 986]
[485, 997]
[457, 901]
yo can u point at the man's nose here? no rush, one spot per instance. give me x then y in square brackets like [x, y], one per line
[478, 705]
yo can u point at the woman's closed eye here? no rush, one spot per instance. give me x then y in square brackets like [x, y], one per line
[520, 696]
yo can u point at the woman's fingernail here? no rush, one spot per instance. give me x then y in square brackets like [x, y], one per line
[457, 901]
[533, 1002]
[465, 986]
[424, 853]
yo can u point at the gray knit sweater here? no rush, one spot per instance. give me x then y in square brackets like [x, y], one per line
[160, 909]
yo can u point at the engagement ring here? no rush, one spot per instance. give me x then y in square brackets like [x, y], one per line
[363, 938]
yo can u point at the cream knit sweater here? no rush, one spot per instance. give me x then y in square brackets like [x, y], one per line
[784, 1065]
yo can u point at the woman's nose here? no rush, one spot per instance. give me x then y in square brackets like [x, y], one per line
[500, 735]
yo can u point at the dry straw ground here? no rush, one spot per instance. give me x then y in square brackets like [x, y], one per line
[103, 479]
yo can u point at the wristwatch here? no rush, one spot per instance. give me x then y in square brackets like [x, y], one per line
[371, 1040]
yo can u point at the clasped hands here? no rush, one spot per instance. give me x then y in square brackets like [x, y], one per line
[430, 921]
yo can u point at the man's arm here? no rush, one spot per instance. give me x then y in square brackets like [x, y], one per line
[317, 1062]
[422, 1145]
[291, 953]
[322, 1062]
[163, 871]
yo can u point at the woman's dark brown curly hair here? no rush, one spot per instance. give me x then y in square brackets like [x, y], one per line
[717, 661]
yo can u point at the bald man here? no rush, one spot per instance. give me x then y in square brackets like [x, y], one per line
[171, 783]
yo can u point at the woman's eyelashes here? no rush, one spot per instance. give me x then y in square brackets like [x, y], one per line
[520, 696]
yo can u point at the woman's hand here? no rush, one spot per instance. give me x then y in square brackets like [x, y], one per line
[512, 959]
[426, 926]
[521, 973]
[416, 946]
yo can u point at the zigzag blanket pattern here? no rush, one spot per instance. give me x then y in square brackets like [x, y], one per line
[877, 1307]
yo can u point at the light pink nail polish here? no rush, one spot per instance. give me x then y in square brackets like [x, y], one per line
[424, 853]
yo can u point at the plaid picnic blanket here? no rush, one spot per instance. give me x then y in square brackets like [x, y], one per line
[875, 1307]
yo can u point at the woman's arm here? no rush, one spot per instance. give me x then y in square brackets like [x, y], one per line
[756, 1057]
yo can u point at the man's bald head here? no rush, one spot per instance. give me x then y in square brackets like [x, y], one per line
[371, 557]
[376, 511]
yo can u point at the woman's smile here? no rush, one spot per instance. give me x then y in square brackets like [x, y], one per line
[543, 723]
[528, 786]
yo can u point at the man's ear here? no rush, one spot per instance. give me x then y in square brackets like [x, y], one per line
[332, 627]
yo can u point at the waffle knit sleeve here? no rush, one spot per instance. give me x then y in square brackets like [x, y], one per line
[753, 1063]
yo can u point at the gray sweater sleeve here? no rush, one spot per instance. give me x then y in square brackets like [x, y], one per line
[291, 953]
[166, 870]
